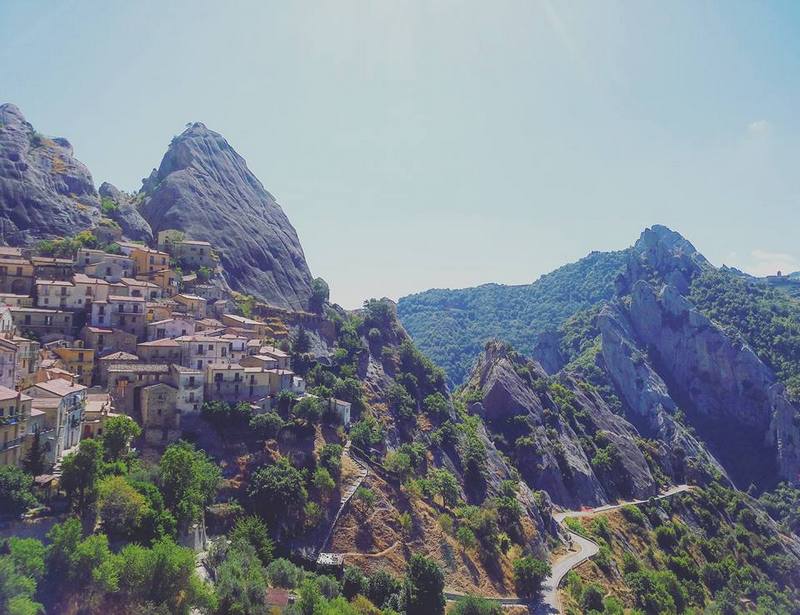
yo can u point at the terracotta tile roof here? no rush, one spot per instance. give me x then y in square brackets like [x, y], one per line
[59, 387]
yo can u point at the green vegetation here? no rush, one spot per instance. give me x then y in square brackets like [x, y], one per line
[451, 326]
[707, 551]
[768, 319]
[16, 491]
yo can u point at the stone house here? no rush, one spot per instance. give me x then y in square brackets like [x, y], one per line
[15, 410]
[160, 351]
[193, 254]
[173, 327]
[17, 274]
[49, 268]
[161, 419]
[119, 312]
[146, 260]
[141, 288]
[12, 300]
[197, 351]
[43, 323]
[63, 402]
[191, 304]
[59, 294]
[115, 358]
[77, 360]
[105, 340]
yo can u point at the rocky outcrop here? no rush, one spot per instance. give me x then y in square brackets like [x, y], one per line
[731, 396]
[662, 255]
[44, 191]
[554, 441]
[646, 397]
[124, 213]
[204, 188]
[664, 355]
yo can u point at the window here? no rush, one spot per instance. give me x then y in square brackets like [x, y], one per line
[27, 319]
[80, 357]
[200, 364]
[19, 271]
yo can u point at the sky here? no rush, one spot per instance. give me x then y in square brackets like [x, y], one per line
[441, 143]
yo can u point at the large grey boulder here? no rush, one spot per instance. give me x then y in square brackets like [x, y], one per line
[204, 188]
[44, 191]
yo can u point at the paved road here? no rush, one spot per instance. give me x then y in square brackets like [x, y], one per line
[581, 549]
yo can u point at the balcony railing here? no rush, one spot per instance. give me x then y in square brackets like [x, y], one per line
[12, 443]
[12, 420]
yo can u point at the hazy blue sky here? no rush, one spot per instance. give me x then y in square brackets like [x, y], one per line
[444, 144]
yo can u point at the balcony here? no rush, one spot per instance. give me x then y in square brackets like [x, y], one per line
[12, 443]
[12, 420]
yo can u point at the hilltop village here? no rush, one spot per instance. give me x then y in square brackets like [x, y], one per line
[147, 332]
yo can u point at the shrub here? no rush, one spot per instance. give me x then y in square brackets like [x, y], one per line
[16, 491]
[266, 425]
[283, 573]
[529, 573]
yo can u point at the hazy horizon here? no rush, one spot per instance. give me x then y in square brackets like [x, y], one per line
[444, 144]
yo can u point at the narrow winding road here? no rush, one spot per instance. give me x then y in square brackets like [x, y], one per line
[581, 550]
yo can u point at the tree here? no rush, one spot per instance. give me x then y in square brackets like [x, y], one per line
[35, 457]
[283, 573]
[382, 586]
[446, 485]
[529, 573]
[323, 482]
[354, 582]
[320, 294]
[253, 531]
[241, 582]
[61, 552]
[363, 500]
[17, 590]
[330, 458]
[266, 425]
[16, 491]
[118, 432]
[406, 523]
[79, 473]
[164, 575]
[27, 554]
[278, 492]
[366, 433]
[310, 597]
[121, 507]
[424, 587]
[188, 480]
[308, 409]
[435, 405]
[475, 605]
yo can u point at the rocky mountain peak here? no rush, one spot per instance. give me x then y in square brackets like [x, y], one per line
[662, 255]
[44, 191]
[204, 188]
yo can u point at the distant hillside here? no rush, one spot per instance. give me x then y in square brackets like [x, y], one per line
[451, 326]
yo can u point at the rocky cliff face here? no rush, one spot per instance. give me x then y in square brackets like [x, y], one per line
[44, 191]
[204, 188]
[727, 393]
[562, 436]
[661, 254]
[133, 225]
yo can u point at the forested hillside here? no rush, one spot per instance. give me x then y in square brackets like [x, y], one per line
[451, 326]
